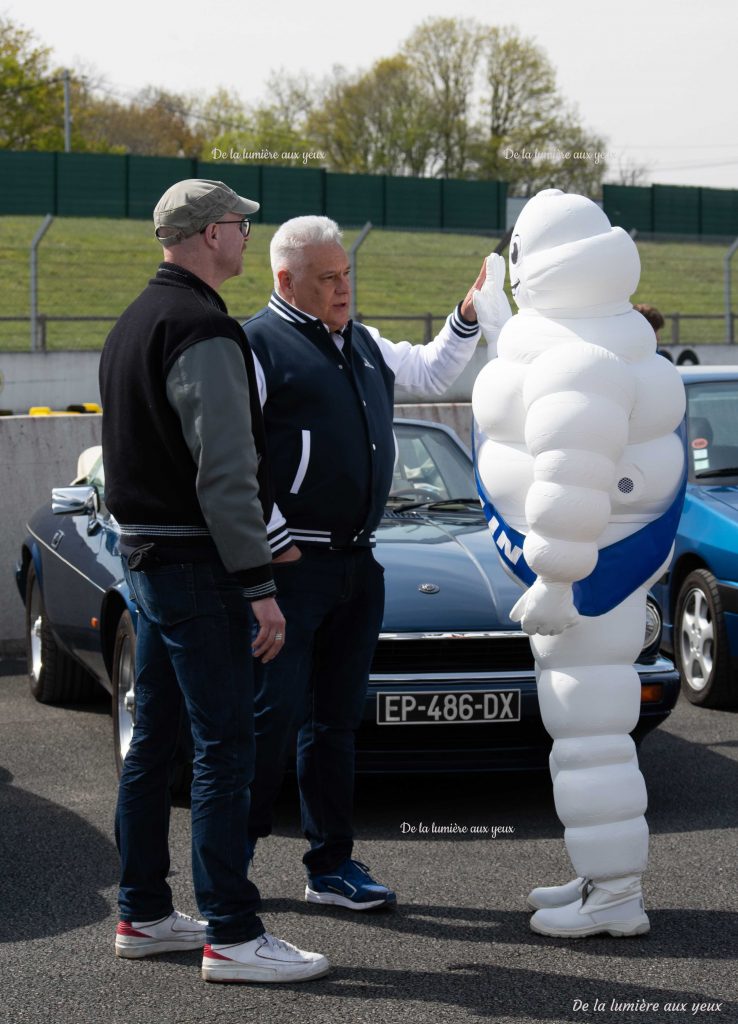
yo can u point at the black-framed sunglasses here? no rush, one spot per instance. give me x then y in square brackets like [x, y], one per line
[244, 224]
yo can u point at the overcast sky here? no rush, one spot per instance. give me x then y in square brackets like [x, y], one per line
[656, 79]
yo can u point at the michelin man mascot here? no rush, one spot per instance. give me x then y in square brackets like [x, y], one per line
[581, 468]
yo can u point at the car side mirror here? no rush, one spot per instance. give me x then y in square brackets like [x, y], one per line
[75, 501]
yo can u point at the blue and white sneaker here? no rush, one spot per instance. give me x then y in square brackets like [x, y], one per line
[350, 886]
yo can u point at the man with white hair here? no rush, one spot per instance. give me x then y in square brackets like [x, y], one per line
[327, 389]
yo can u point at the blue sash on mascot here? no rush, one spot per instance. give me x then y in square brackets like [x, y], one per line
[621, 567]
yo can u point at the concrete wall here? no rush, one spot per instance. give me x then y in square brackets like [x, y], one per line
[37, 453]
[59, 379]
[56, 379]
[457, 415]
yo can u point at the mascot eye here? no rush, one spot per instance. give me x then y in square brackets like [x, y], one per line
[515, 250]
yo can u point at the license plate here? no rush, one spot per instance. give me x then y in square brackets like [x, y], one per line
[429, 707]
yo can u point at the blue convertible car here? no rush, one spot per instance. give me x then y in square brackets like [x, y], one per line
[700, 593]
[452, 685]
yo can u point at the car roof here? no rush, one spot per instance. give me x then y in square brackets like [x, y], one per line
[691, 374]
[433, 425]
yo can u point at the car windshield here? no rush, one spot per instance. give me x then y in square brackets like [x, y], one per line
[712, 420]
[430, 468]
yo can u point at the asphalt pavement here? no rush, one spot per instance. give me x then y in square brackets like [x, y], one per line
[458, 947]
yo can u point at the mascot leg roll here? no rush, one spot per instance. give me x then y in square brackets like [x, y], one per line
[600, 795]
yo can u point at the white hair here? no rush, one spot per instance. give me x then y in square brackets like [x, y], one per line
[286, 249]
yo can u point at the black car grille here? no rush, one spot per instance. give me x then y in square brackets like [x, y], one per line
[474, 654]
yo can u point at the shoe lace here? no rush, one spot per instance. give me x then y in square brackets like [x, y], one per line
[275, 943]
[362, 866]
[186, 917]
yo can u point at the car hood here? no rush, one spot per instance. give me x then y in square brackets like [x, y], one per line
[722, 496]
[709, 528]
[455, 558]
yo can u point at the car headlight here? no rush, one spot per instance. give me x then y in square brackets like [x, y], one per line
[652, 639]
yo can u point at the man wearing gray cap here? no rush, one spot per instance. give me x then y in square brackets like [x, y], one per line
[188, 482]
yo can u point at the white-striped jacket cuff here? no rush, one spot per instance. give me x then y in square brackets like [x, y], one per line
[464, 328]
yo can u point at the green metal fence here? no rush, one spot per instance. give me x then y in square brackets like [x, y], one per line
[28, 182]
[354, 199]
[673, 209]
[107, 185]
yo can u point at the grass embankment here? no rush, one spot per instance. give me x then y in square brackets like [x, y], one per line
[90, 267]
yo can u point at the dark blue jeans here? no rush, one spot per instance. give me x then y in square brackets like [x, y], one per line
[333, 602]
[192, 644]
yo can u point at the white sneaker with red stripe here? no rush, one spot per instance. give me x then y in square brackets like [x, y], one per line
[262, 959]
[134, 939]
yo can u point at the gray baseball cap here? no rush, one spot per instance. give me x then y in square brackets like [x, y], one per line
[191, 205]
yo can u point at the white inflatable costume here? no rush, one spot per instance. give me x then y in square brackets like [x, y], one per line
[581, 469]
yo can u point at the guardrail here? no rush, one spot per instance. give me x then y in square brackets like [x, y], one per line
[674, 319]
[43, 320]
[676, 322]
[673, 328]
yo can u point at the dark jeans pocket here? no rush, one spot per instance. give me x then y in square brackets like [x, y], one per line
[165, 594]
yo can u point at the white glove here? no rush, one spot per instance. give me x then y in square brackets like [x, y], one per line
[490, 302]
[546, 609]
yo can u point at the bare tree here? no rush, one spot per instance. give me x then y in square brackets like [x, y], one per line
[154, 123]
[630, 172]
[376, 122]
[445, 52]
[31, 92]
[531, 138]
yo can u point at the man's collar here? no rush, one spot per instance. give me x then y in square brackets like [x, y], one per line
[173, 273]
[293, 315]
[289, 312]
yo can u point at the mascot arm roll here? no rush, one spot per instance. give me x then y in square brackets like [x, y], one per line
[578, 399]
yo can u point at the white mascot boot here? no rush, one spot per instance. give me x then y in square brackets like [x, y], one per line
[582, 475]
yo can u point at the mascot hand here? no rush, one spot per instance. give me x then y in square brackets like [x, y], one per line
[490, 302]
[546, 609]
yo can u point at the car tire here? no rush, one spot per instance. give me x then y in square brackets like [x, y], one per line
[701, 643]
[124, 709]
[123, 678]
[54, 676]
[688, 358]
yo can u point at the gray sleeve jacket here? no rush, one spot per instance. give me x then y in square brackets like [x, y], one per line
[208, 389]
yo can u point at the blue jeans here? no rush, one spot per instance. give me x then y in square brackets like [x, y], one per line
[192, 644]
[333, 602]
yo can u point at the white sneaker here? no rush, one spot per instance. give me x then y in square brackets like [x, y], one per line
[556, 895]
[134, 939]
[600, 910]
[262, 959]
